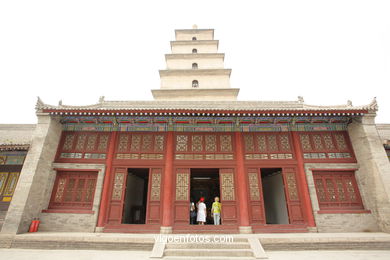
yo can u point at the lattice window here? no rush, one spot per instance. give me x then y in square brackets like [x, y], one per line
[226, 143]
[197, 143]
[73, 190]
[337, 190]
[317, 142]
[81, 140]
[91, 143]
[272, 145]
[341, 142]
[159, 143]
[103, 143]
[68, 143]
[248, 143]
[331, 142]
[328, 140]
[135, 143]
[85, 145]
[181, 143]
[211, 143]
[261, 143]
[305, 142]
[123, 142]
[147, 142]
[285, 143]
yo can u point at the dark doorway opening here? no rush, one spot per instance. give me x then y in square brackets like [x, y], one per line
[205, 183]
[134, 208]
[274, 196]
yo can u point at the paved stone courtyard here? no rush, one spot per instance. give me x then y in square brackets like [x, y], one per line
[28, 254]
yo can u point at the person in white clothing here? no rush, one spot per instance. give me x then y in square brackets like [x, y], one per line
[201, 216]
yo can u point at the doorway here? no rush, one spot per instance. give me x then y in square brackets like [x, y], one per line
[136, 196]
[205, 183]
[274, 196]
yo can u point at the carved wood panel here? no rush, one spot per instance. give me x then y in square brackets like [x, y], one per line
[293, 200]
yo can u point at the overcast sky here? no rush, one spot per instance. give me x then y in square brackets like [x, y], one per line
[326, 51]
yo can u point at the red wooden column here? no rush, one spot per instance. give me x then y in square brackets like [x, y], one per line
[307, 209]
[168, 178]
[242, 186]
[106, 182]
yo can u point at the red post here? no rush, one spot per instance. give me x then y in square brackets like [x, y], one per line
[168, 179]
[242, 184]
[308, 211]
[106, 182]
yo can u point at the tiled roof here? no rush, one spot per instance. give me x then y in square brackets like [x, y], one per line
[206, 105]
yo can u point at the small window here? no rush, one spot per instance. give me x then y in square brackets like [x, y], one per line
[337, 190]
[195, 84]
[194, 38]
[73, 190]
[194, 66]
[194, 51]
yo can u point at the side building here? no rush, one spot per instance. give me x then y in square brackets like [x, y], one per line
[135, 166]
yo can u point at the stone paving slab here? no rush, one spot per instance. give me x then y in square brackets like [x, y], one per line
[28, 254]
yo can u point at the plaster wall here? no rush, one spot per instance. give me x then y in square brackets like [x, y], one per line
[201, 48]
[199, 34]
[205, 81]
[209, 63]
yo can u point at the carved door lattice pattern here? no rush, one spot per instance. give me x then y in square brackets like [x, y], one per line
[227, 186]
[156, 185]
[254, 190]
[119, 180]
[292, 186]
[182, 185]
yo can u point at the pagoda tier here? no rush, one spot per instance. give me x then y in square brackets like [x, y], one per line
[195, 71]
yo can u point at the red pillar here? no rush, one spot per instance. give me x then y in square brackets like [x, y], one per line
[308, 211]
[242, 185]
[168, 179]
[106, 182]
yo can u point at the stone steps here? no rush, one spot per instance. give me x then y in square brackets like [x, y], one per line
[337, 245]
[240, 249]
[209, 252]
[235, 245]
[34, 241]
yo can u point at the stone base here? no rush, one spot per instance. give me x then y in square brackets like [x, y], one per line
[99, 229]
[245, 230]
[166, 230]
[312, 229]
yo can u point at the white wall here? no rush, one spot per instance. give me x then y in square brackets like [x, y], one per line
[185, 81]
